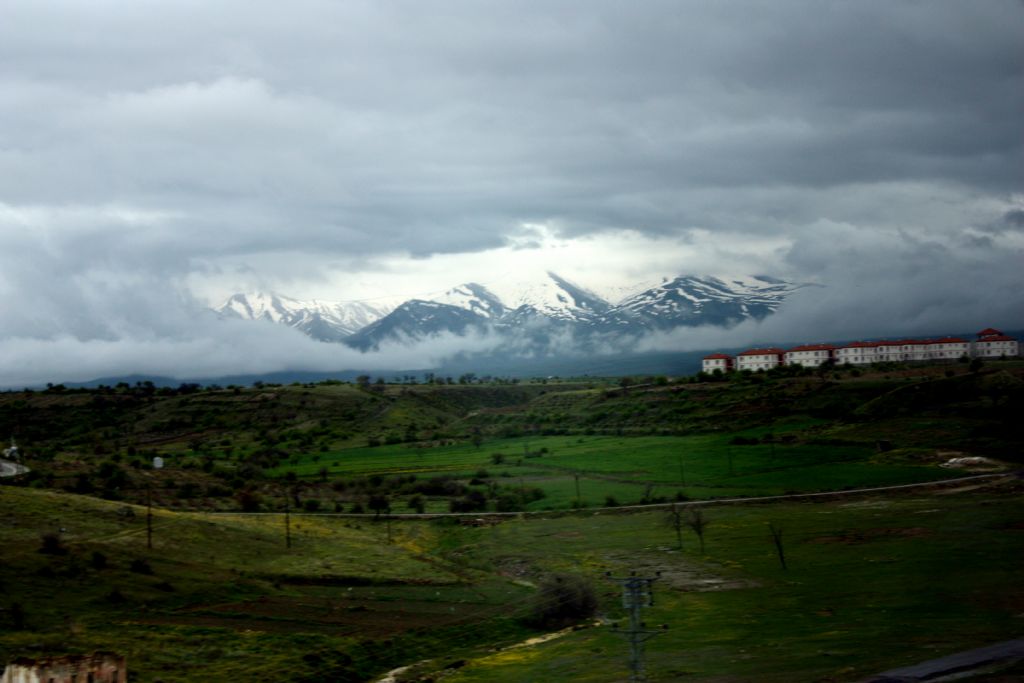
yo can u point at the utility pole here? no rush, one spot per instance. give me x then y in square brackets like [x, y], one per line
[636, 594]
[577, 478]
[287, 523]
[149, 518]
[682, 470]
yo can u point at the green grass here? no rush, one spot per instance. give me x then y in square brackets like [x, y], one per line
[873, 583]
[226, 600]
[627, 468]
[870, 586]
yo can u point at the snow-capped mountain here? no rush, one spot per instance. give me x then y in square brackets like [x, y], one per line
[416, 319]
[476, 298]
[321, 320]
[524, 308]
[552, 297]
[707, 300]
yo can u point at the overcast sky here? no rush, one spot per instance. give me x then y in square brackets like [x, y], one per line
[158, 156]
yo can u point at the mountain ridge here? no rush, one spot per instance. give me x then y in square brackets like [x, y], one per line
[549, 302]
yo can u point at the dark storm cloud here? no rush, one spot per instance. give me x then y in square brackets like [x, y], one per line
[141, 143]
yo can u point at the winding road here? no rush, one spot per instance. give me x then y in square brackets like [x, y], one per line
[11, 469]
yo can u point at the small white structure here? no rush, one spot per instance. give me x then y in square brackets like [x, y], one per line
[158, 462]
[760, 359]
[12, 452]
[810, 355]
[717, 361]
[99, 667]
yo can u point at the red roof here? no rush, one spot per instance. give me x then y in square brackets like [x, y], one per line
[715, 356]
[948, 340]
[763, 352]
[996, 337]
[814, 347]
[988, 331]
[862, 345]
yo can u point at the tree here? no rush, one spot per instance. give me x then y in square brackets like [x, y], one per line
[675, 520]
[777, 540]
[625, 383]
[363, 381]
[379, 504]
[563, 599]
[697, 523]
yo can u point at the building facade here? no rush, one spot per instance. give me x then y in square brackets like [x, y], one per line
[717, 361]
[810, 355]
[760, 359]
[990, 343]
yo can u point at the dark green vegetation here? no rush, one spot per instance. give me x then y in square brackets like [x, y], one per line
[336, 447]
[872, 582]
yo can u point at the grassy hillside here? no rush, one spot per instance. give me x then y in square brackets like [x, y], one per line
[871, 584]
[301, 592]
[221, 597]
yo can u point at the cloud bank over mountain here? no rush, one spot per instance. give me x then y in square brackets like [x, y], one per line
[156, 159]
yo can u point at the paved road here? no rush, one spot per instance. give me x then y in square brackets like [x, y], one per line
[11, 469]
[958, 665]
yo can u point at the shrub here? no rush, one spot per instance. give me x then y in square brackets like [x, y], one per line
[140, 566]
[561, 600]
[50, 544]
[249, 501]
[98, 560]
[311, 505]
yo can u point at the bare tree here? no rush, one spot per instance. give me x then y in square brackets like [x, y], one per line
[697, 523]
[777, 540]
[674, 520]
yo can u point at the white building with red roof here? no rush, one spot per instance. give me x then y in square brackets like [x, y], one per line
[717, 361]
[810, 355]
[858, 353]
[760, 359]
[948, 348]
[992, 343]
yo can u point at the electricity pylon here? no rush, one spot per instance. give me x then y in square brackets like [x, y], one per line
[636, 595]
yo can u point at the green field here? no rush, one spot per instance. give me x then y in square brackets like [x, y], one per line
[872, 583]
[628, 468]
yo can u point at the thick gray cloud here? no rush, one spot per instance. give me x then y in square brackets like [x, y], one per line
[145, 144]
